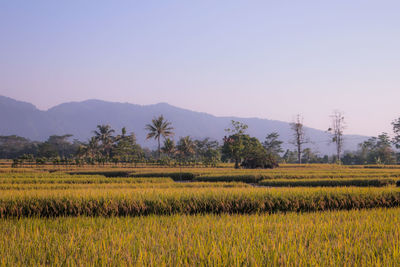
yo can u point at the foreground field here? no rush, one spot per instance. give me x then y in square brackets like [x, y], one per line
[296, 215]
[344, 238]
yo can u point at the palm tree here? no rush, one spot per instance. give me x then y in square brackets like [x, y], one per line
[92, 148]
[89, 150]
[81, 152]
[186, 146]
[159, 127]
[169, 147]
[104, 135]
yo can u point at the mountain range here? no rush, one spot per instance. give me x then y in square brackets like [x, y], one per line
[81, 118]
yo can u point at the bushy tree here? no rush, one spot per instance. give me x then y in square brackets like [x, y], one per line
[290, 156]
[125, 148]
[309, 156]
[256, 156]
[46, 150]
[352, 158]
[207, 151]
[377, 150]
[233, 147]
[63, 146]
[248, 152]
[13, 146]
[273, 145]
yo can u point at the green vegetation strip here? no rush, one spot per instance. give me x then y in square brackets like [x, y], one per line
[173, 175]
[139, 202]
[339, 238]
[255, 178]
[103, 173]
[329, 175]
[327, 182]
[248, 178]
[176, 176]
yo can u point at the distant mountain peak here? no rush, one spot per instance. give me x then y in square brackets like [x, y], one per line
[162, 104]
[12, 103]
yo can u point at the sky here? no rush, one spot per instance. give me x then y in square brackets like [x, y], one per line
[266, 59]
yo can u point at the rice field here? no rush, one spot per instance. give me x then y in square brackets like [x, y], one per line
[190, 200]
[302, 215]
[334, 238]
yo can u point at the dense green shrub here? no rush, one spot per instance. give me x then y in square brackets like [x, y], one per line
[176, 176]
[104, 173]
[246, 178]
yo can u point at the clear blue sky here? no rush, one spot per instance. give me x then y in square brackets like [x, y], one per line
[268, 59]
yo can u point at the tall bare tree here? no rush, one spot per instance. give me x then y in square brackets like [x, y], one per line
[299, 136]
[336, 130]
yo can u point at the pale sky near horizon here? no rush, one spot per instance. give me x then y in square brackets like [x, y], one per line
[267, 59]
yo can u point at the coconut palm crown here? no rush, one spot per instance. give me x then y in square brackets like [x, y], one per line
[186, 147]
[158, 128]
[105, 137]
[169, 147]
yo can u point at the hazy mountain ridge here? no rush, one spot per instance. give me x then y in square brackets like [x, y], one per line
[81, 118]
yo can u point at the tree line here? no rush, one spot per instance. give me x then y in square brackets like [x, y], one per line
[375, 150]
[238, 147]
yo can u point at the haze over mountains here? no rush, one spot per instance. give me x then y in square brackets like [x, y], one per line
[81, 118]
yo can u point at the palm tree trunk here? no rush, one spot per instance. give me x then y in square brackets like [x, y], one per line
[159, 148]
